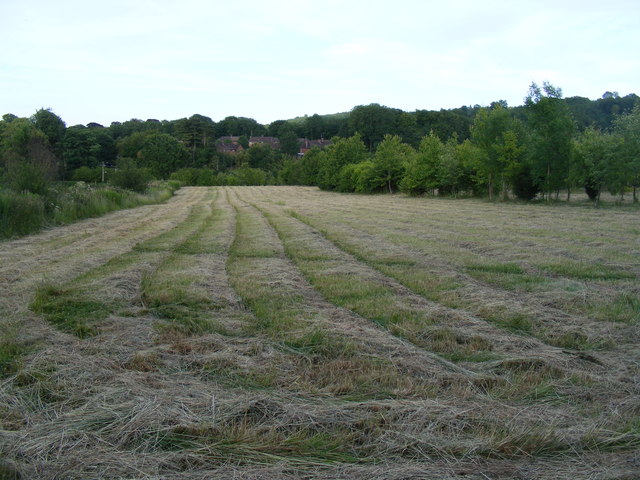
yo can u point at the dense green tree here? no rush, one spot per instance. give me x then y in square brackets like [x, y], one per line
[289, 143]
[88, 147]
[162, 154]
[421, 170]
[341, 152]
[129, 146]
[315, 127]
[373, 122]
[261, 156]
[277, 128]
[52, 126]
[195, 132]
[388, 164]
[627, 127]
[26, 157]
[79, 149]
[493, 131]
[594, 162]
[445, 123]
[450, 168]
[310, 166]
[236, 126]
[552, 130]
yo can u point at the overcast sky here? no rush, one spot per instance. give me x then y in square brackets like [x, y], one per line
[276, 59]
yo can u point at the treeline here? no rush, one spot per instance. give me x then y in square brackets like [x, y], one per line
[546, 145]
[539, 148]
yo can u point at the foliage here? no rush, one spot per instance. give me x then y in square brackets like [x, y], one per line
[88, 175]
[200, 177]
[29, 163]
[247, 176]
[372, 122]
[341, 152]
[289, 144]
[162, 154]
[421, 170]
[387, 164]
[627, 127]
[25, 213]
[20, 213]
[131, 177]
[552, 128]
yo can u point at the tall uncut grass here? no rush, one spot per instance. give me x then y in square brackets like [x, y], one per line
[25, 213]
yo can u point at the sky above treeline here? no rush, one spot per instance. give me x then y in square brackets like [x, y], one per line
[278, 59]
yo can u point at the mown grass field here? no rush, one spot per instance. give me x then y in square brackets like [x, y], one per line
[286, 332]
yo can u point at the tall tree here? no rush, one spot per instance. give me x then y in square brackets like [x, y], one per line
[552, 130]
[488, 133]
[26, 157]
[162, 154]
[388, 163]
[341, 152]
[628, 128]
[421, 169]
[289, 144]
[52, 126]
[373, 122]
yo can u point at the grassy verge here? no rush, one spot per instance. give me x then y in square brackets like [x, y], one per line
[24, 213]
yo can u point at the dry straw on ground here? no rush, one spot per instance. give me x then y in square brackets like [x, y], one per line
[248, 332]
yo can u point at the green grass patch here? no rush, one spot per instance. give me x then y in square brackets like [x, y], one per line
[621, 437]
[69, 310]
[171, 239]
[586, 271]
[514, 322]
[318, 343]
[509, 276]
[509, 267]
[227, 373]
[244, 443]
[574, 341]
[624, 308]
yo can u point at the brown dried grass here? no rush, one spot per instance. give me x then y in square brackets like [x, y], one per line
[333, 396]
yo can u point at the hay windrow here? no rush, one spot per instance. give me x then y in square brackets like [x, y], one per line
[285, 332]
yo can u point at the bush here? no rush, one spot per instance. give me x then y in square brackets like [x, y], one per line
[88, 175]
[247, 176]
[20, 213]
[25, 213]
[26, 177]
[131, 178]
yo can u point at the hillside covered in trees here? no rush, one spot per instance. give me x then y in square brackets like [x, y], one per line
[549, 144]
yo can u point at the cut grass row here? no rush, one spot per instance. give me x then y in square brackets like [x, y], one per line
[323, 360]
[525, 264]
[151, 275]
[372, 298]
[435, 283]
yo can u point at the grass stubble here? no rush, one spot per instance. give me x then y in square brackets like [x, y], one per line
[287, 333]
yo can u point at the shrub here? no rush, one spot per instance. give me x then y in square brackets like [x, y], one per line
[131, 178]
[86, 174]
[20, 213]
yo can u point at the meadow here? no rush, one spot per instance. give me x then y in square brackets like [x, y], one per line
[288, 332]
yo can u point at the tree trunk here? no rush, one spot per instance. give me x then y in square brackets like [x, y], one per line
[490, 187]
